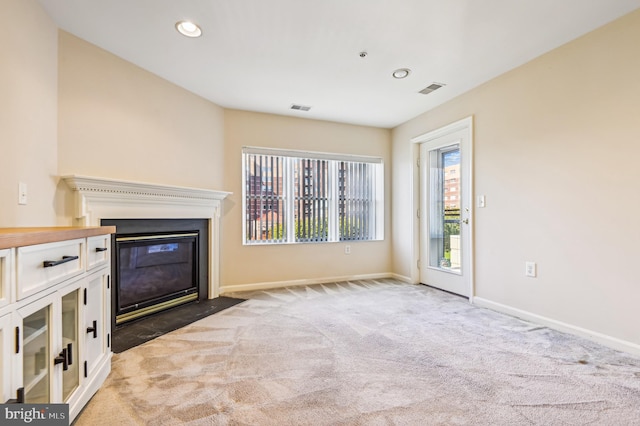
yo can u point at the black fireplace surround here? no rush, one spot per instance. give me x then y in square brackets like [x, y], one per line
[157, 264]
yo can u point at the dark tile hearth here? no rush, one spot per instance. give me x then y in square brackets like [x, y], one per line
[140, 331]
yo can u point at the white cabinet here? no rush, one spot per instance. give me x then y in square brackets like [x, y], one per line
[6, 257]
[55, 326]
[94, 320]
[49, 343]
[7, 347]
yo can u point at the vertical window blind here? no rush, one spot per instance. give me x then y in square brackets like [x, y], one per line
[311, 212]
[355, 194]
[264, 200]
[301, 197]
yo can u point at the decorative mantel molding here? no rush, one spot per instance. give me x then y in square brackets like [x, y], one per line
[100, 198]
[93, 184]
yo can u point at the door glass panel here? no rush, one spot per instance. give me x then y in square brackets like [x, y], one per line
[36, 357]
[444, 209]
[70, 377]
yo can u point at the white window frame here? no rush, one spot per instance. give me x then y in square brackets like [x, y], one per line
[288, 193]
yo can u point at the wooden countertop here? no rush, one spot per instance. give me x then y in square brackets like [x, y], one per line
[18, 237]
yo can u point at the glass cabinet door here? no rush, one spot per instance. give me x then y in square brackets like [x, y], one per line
[70, 376]
[7, 347]
[36, 366]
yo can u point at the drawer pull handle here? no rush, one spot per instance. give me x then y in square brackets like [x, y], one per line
[99, 249]
[70, 353]
[93, 329]
[65, 259]
[62, 359]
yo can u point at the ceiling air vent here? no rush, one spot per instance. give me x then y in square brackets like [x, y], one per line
[431, 88]
[300, 107]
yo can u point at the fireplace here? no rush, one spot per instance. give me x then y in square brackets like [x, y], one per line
[157, 264]
[151, 210]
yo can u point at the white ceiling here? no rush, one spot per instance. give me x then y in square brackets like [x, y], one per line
[264, 55]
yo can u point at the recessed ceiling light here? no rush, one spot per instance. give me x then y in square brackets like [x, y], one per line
[401, 73]
[188, 28]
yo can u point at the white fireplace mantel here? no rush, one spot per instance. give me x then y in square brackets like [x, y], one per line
[100, 198]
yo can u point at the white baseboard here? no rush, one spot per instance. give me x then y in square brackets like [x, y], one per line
[603, 339]
[226, 289]
[402, 278]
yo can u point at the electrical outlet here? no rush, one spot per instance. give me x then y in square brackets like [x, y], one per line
[530, 269]
[22, 193]
[347, 249]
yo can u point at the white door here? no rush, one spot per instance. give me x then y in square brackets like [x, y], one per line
[445, 208]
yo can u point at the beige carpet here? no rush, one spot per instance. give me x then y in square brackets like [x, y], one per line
[366, 353]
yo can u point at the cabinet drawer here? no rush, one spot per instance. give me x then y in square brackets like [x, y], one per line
[43, 265]
[98, 251]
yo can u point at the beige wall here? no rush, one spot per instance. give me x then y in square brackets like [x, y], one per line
[119, 121]
[28, 88]
[278, 263]
[556, 154]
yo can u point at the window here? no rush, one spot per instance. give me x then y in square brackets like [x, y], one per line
[311, 197]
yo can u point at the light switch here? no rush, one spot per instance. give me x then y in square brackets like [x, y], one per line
[481, 201]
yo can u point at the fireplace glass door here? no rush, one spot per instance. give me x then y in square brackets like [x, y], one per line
[154, 272]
